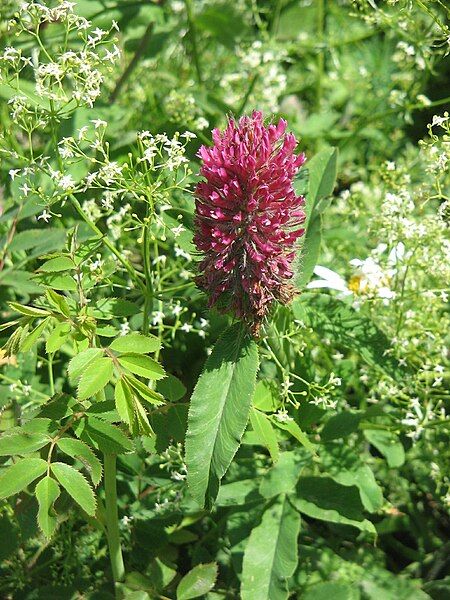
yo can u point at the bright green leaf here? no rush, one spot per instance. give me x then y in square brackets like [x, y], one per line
[80, 362]
[18, 476]
[47, 491]
[219, 409]
[57, 338]
[81, 451]
[60, 263]
[17, 441]
[94, 378]
[76, 486]
[124, 401]
[142, 365]
[136, 343]
[265, 433]
[270, 556]
[388, 445]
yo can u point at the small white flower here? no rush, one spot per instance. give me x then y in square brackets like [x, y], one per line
[187, 327]
[158, 318]
[124, 328]
[45, 216]
[177, 231]
[25, 189]
[98, 123]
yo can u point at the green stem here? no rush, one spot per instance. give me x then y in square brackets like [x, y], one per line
[142, 47]
[50, 374]
[112, 519]
[321, 51]
[109, 245]
[148, 305]
[193, 34]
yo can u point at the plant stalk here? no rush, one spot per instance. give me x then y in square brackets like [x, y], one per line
[112, 519]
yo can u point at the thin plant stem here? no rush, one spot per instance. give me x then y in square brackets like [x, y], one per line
[143, 44]
[148, 305]
[131, 271]
[50, 374]
[112, 518]
[193, 35]
[320, 54]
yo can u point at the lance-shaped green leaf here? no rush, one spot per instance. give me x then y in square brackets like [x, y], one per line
[96, 375]
[325, 499]
[102, 435]
[265, 433]
[80, 362]
[34, 336]
[219, 410]
[29, 311]
[47, 491]
[17, 441]
[322, 169]
[270, 556]
[57, 338]
[198, 582]
[76, 486]
[17, 477]
[142, 365]
[136, 343]
[81, 451]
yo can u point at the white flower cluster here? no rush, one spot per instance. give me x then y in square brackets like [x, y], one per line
[260, 64]
[66, 74]
[182, 107]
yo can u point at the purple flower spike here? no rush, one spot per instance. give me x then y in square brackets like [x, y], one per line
[248, 217]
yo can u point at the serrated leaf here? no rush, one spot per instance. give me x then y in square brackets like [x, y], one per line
[144, 391]
[142, 365]
[76, 486]
[95, 377]
[265, 433]
[80, 362]
[17, 477]
[270, 556]
[33, 337]
[219, 409]
[199, 581]
[29, 311]
[17, 441]
[58, 302]
[102, 435]
[81, 451]
[136, 343]
[124, 402]
[47, 491]
[57, 338]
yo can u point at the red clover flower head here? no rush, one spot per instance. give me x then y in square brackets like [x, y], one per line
[248, 217]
